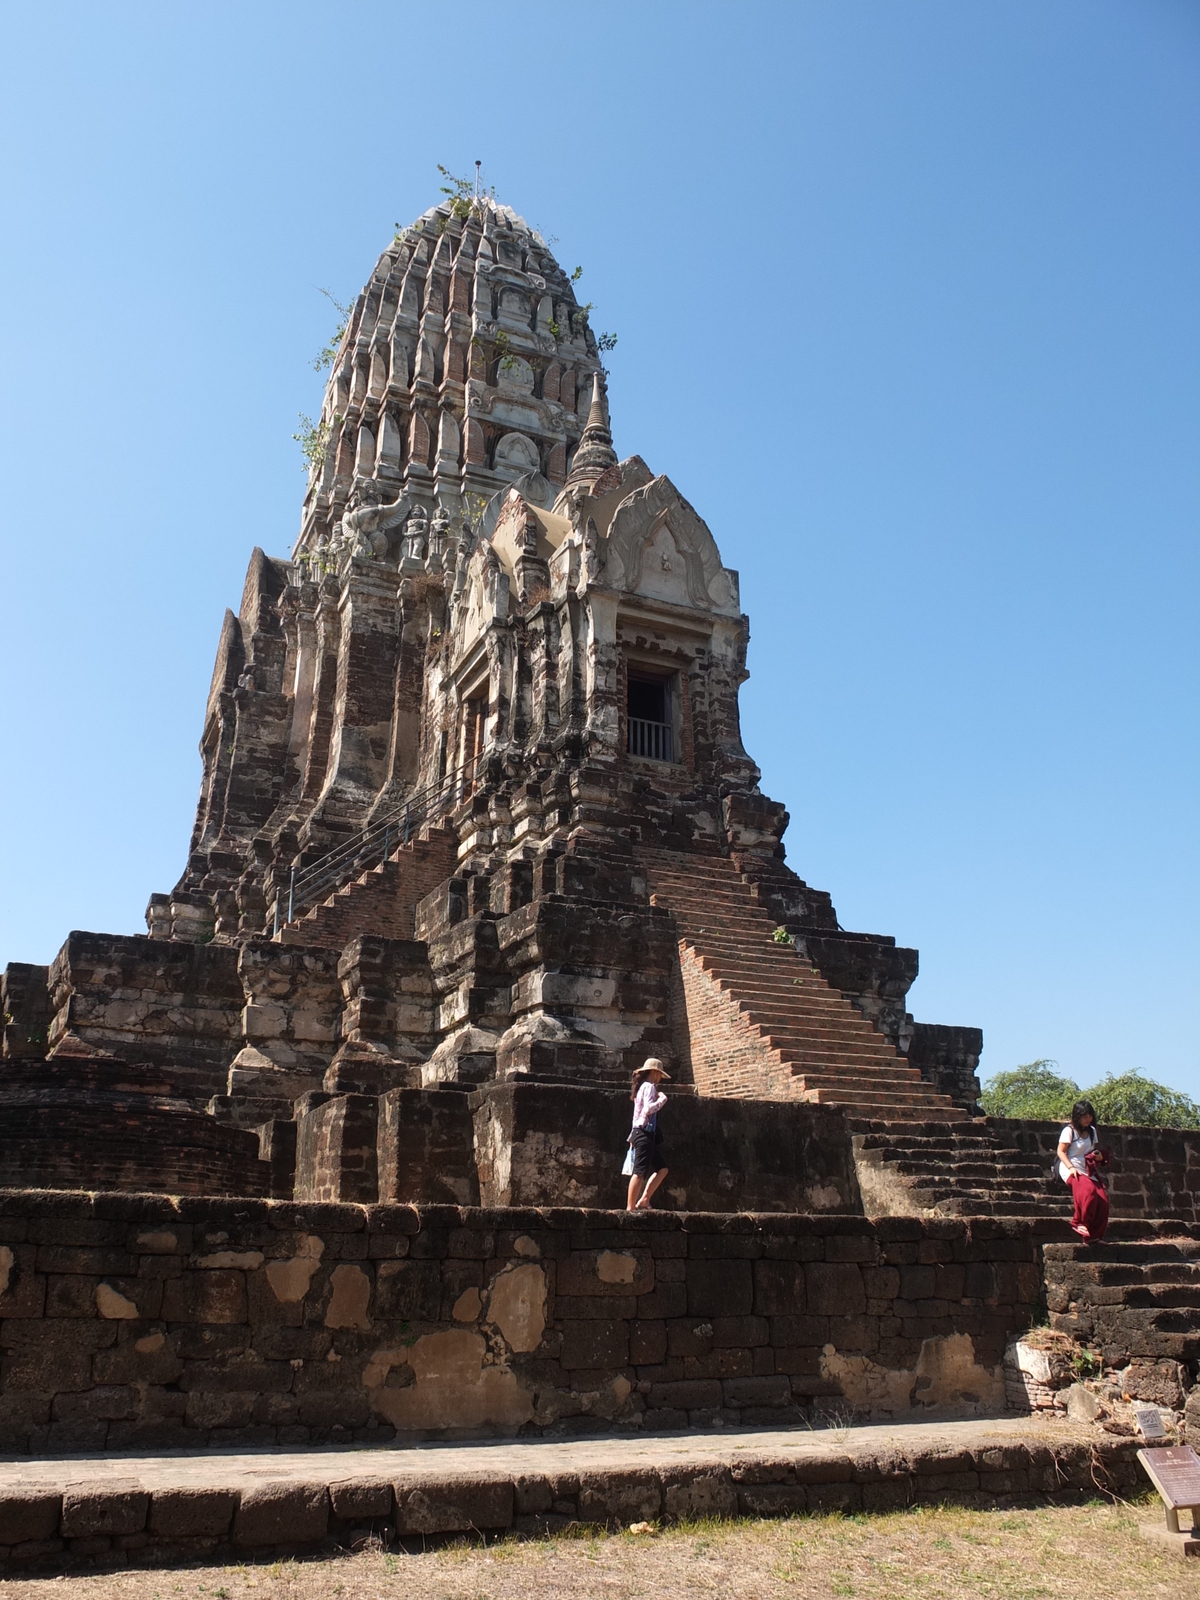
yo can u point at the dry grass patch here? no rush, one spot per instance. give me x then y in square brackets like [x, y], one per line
[930, 1553]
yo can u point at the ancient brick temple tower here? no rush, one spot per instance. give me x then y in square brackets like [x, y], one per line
[476, 834]
[477, 831]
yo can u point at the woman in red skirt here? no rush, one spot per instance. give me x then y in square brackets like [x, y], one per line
[1076, 1143]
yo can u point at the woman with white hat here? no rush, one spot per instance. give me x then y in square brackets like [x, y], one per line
[645, 1140]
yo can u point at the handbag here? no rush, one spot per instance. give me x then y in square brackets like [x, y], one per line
[627, 1165]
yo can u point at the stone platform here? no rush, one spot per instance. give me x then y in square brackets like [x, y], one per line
[125, 1510]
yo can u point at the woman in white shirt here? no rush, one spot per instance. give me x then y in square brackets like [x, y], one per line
[645, 1138]
[1076, 1143]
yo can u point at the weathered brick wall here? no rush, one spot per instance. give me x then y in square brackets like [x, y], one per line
[948, 1058]
[149, 1000]
[728, 1054]
[146, 1322]
[88, 1124]
[1155, 1172]
[336, 1149]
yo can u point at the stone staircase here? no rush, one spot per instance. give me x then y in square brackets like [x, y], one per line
[961, 1169]
[381, 900]
[1134, 1300]
[791, 1034]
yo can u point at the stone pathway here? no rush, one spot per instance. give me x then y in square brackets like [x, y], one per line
[128, 1509]
[510, 1458]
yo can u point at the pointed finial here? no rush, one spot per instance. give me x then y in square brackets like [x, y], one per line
[595, 453]
[598, 410]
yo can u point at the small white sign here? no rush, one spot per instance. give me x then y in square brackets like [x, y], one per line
[1149, 1423]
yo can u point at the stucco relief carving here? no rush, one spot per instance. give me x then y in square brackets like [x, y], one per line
[658, 546]
[485, 597]
[516, 453]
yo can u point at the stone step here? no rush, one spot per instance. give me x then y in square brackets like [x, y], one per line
[993, 1171]
[1092, 1257]
[1102, 1275]
[850, 1055]
[1154, 1295]
[833, 1075]
[880, 1107]
[854, 1054]
[836, 1056]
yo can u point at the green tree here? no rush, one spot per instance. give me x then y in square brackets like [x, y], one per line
[1034, 1091]
[1128, 1099]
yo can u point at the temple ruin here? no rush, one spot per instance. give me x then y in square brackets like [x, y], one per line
[476, 834]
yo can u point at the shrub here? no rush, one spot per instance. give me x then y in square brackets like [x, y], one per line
[1034, 1091]
[1139, 1102]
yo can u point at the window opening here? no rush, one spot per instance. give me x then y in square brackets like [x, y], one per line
[648, 718]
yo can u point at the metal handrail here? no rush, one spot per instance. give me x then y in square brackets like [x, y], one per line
[649, 739]
[315, 882]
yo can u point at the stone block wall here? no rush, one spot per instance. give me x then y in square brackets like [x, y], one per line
[145, 1322]
[24, 1010]
[542, 1144]
[871, 970]
[425, 1147]
[1155, 1171]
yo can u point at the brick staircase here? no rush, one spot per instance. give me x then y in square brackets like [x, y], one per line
[763, 1021]
[1135, 1300]
[962, 1169]
[380, 901]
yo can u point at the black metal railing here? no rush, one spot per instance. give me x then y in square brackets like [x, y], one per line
[649, 739]
[308, 886]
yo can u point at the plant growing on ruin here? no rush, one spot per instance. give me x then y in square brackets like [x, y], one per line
[326, 357]
[315, 564]
[508, 360]
[474, 505]
[313, 439]
[1086, 1364]
[463, 198]
[782, 936]
[606, 342]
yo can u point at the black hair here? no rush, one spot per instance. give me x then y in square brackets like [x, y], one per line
[1084, 1108]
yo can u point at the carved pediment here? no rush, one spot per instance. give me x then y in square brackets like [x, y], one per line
[659, 547]
[484, 598]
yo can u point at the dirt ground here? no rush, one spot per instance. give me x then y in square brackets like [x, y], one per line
[933, 1554]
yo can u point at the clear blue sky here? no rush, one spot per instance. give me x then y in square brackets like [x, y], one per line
[907, 301]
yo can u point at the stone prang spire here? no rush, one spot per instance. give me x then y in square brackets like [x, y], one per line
[595, 453]
[466, 364]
